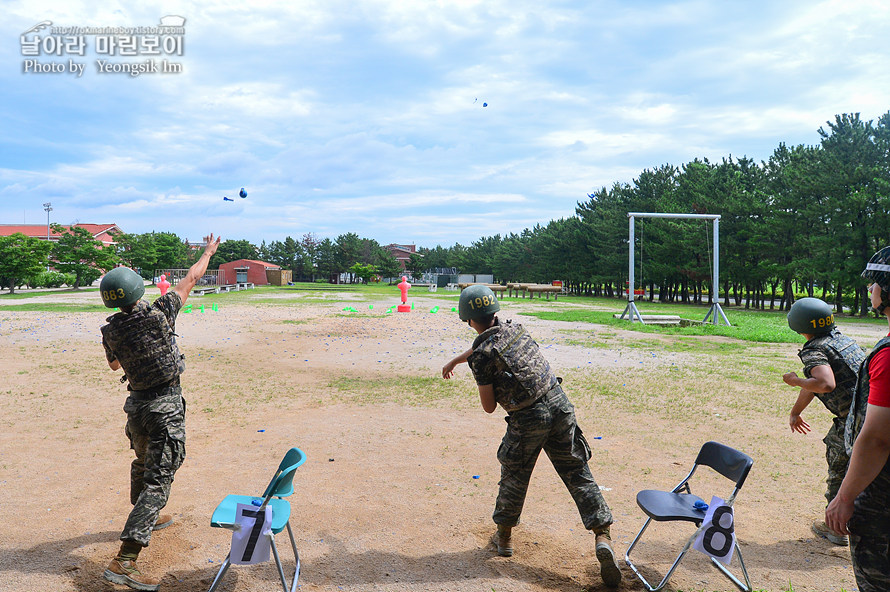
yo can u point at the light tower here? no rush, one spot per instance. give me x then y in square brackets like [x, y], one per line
[49, 208]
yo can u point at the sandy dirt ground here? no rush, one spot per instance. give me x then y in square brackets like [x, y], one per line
[401, 476]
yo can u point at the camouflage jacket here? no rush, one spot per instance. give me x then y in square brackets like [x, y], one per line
[871, 515]
[144, 343]
[506, 357]
[844, 356]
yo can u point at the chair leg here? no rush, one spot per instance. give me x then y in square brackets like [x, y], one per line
[670, 572]
[746, 587]
[293, 545]
[630, 563]
[219, 575]
[278, 564]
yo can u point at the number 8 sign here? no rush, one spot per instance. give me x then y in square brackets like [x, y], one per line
[717, 538]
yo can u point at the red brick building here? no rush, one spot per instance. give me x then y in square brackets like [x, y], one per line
[245, 271]
[402, 253]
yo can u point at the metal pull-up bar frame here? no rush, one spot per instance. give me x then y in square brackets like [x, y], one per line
[715, 311]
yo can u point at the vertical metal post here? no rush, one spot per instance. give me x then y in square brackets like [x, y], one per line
[715, 282]
[715, 288]
[631, 309]
[630, 271]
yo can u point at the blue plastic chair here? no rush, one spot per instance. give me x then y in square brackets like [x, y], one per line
[680, 504]
[281, 486]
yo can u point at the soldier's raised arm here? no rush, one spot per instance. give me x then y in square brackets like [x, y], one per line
[196, 271]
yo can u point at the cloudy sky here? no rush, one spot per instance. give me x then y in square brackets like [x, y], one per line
[370, 116]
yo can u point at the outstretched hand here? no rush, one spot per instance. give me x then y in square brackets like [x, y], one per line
[212, 245]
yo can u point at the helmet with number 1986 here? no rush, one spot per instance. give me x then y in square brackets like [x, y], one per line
[476, 302]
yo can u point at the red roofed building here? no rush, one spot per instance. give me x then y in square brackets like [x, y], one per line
[100, 232]
[245, 271]
[402, 253]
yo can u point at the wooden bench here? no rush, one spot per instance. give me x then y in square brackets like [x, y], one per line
[205, 290]
[493, 287]
[201, 290]
[545, 289]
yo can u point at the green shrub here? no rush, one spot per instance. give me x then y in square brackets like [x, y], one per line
[51, 279]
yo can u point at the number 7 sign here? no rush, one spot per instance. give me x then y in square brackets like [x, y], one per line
[251, 539]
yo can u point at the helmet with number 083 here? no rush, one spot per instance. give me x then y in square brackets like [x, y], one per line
[811, 315]
[121, 287]
[476, 302]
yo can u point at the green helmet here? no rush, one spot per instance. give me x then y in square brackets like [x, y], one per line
[811, 315]
[477, 301]
[121, 287]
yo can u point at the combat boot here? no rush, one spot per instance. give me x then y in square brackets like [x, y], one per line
[124, 571]
[609, 570]
[163, 521]
[503, 539]
[821, 529]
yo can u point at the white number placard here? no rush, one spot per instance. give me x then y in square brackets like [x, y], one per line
[717, 538]
[251, 538]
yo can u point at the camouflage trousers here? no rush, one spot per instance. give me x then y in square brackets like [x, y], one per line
[836, 456]
[549, 424]
[156, 429]
[871, 562]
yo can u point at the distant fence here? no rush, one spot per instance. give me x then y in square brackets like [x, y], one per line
[210, 277]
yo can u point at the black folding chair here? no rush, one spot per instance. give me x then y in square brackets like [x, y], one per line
[679, 504]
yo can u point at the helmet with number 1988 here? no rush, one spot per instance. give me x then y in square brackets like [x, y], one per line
[811, 315]
[121, 287]
[476, 302]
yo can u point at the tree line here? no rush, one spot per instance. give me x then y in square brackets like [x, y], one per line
[77, 259]
[804, 221]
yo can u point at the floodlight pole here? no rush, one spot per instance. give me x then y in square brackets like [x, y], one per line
[48, 206]
[715, 310]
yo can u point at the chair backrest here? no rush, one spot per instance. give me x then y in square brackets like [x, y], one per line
[282, 484]
[729, 462]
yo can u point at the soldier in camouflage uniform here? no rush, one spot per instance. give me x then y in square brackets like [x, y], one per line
[141, 340]
[862, 505]
[511, 371]
[830, 364]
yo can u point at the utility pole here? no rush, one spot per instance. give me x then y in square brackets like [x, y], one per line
[49, 208]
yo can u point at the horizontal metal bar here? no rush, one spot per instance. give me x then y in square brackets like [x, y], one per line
[663, 215]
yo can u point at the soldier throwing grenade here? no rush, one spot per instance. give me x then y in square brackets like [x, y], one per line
[511, 371]
[830, 364]
[141, 340]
